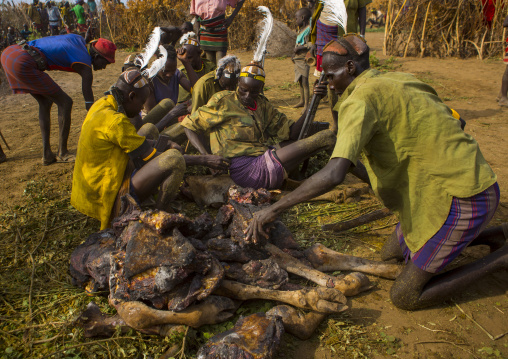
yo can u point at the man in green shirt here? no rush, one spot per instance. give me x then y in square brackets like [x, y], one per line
[421, 165]
[241, 125]
[224, 78]
[191, 51]
[80, 16]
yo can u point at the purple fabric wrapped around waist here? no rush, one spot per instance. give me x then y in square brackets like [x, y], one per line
[325, 34]
[264, 171]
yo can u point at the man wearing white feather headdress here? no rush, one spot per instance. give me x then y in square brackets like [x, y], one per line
[191, 52]
[422, 166]
[212, 25]
[113, 159]
[224, 78]
[240, 125]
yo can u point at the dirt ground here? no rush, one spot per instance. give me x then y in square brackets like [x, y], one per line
[468, 86]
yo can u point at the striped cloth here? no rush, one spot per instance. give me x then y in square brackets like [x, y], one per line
[263, 171]
[325, 34]
[213, 35]
[467, 218]
[23, 75]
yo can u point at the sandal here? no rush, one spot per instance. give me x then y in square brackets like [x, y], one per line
[67, 158]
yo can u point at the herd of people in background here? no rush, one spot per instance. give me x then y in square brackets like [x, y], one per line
[50, 18]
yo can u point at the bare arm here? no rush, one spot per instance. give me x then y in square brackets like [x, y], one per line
[238, 7]
[195, 141]
[323, 181]
[362, 14]
[86, 83]
[192, 76]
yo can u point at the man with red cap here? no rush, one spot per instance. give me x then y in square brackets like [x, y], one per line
[25, 65]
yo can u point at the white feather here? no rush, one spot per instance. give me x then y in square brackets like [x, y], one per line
[158, 64]
[267, 30]
[143, 59]
[334, 12]
[187, 36]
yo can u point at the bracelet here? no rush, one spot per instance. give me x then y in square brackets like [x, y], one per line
[89, 101]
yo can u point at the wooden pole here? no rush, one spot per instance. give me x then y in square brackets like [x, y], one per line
[422, 45]
[387, 25]
[411, 33]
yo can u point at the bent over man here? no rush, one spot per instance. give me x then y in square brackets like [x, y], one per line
[25, 66]
[421, 165]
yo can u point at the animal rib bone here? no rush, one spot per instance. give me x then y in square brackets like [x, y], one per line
[326, 260]
[324, 300]
[351, 284]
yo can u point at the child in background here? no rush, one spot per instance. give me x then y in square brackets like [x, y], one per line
[303, 16]
[502, 97]
[25, 33]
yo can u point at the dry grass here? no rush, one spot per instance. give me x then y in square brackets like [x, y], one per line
[443, 28]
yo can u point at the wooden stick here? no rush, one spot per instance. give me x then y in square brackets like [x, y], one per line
[422, 44]
[3, 138]
[396, 17]
[387, 25]
[411, 33]
[366, 218]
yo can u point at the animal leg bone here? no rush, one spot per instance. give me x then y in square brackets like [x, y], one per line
[212, 310]
[324, 300]
[297, 323]
[327, 260]
[351, 284]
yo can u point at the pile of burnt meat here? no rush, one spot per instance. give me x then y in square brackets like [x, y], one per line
[163, 270]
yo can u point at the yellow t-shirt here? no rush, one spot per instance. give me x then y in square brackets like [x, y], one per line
[415, 152]
[107, 136]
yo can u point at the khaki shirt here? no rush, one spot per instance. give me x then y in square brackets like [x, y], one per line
[203, 90]
[415, 152]
[207, 67]
[235, 130]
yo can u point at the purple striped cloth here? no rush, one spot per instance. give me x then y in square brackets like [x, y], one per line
[325, 34]
[467, 218]
[264, 171]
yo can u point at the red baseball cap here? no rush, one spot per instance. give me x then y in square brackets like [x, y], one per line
[106, 49]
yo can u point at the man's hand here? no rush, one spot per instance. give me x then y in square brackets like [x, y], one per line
[216, 162]
[164, 144]
[321, 89]
[256, 226]
[181, 54]
[179, 110]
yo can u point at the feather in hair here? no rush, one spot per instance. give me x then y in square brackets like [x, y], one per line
[265, 34]
[334, 12]
[187, 36]
[151, 47]
[158, 64]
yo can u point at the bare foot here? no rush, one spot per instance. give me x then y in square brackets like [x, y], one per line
[299, 104]
[66, 158]
[47, 160]
[499, 97]
[503, 102]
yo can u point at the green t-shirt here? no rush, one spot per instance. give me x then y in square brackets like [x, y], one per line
[206, 68]
[234, 129]
[80, 14]
[203, 90]
[415, 152]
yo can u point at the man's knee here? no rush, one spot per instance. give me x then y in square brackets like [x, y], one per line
[172, 161]
[403, 296]
[149, 131]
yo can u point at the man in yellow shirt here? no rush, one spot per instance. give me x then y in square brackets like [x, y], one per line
[421, 165]
[113, 159]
